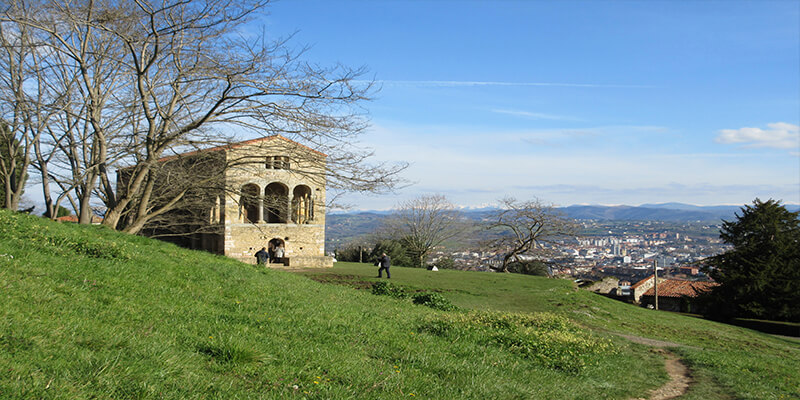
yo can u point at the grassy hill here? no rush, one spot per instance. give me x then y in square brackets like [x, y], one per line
[90, 313]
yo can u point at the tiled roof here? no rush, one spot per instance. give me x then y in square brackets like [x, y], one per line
[74, 218]
[676, 288]
[641, 282]
[240, 144]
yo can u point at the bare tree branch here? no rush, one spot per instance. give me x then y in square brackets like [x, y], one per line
[138, 81]
[525, 227]
[423, 223]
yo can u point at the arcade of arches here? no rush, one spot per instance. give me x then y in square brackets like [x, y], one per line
[274, 206]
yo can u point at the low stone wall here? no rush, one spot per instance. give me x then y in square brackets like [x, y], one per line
[300, 241]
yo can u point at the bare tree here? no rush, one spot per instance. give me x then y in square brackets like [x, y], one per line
[524, 227]
[25, 107]
[146, 79]
[423, 223]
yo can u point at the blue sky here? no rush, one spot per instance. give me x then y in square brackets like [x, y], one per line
[572, 102]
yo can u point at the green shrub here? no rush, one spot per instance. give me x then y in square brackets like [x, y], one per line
[387, 289]
[433, 300]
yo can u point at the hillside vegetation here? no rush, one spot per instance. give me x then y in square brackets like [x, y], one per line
[90, 313]
[727, 362]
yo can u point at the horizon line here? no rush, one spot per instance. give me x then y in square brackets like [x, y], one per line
[340, 211]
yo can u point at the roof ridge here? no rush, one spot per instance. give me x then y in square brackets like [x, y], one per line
[235, 145]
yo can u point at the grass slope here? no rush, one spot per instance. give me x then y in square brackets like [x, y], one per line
[90, 313]
[727, 361]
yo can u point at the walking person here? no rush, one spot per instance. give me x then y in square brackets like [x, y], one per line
[384, 261]
[262, 257]
[279, 253]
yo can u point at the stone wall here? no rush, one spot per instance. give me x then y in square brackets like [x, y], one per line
[242, 241]
[258, 166]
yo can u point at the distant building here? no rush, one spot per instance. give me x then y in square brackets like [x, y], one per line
[673, 294]
[689, 270]
[615, 249]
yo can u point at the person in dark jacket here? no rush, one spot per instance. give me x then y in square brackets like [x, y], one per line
[384, 261]
[262, 257]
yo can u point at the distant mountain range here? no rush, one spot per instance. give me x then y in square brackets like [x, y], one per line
[668, 212]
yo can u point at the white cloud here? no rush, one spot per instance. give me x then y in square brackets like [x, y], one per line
[475, 166]
[779, 135]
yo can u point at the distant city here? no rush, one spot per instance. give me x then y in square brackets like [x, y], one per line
[625, 242]
[626, 250]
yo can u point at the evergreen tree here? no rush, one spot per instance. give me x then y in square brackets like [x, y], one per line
[394, 249]
[760, 276]
[353, 253]
[62, 212]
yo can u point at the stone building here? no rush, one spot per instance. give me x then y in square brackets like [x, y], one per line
[267, 192]
[673, 294]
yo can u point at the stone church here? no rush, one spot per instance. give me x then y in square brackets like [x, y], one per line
[271, 194]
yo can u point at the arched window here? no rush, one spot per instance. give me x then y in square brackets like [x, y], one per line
[276, 203]
[302, 205]
[249, 202]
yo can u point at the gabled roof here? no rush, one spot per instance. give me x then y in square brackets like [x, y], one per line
[242, 144]
[676, 288]
[641, 282]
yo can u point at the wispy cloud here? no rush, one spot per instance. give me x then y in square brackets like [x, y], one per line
[700, 193]
[500, 83]
[779, 135]
[533, 115]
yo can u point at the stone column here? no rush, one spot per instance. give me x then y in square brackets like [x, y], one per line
[260, 208]
[240, 206]
[289, 207]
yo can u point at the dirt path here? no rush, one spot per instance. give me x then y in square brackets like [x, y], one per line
[680, 377]
[646, 341]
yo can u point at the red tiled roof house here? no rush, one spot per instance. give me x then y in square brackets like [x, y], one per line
[673, 294]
